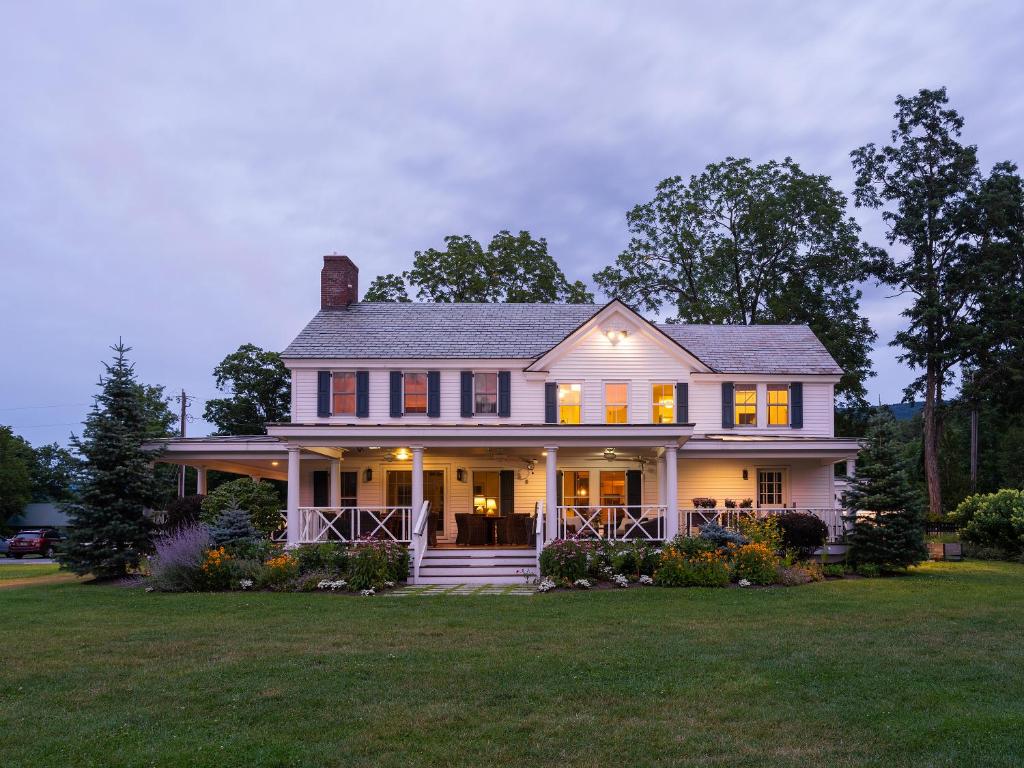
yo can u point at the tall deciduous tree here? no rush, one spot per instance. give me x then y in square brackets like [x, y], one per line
[260, 392]
[109, 528]
[16, 462]
[932, 195]
[747, 244]
[54, 474]
[513, 268]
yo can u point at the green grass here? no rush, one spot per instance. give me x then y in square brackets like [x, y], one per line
[8, 572]
[923, 670]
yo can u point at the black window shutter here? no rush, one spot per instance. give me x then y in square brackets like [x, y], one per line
[348, 489]
[504, 394]
[466, 393]
[551, 403]
[634, 483]
[396, 394]
[682, 403]
[558, 489]
[321, 488]
[796, 406]
[433, 394]
[727, 412]
[323, 393]
[507, 491]
[362, 394]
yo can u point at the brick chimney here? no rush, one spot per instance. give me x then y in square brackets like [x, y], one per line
[339, 282]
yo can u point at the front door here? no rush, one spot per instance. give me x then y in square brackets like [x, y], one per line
[399, 492]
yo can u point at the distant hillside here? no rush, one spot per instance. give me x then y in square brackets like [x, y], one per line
[905, 411]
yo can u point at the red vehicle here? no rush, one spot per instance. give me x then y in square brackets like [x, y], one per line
[41, 542]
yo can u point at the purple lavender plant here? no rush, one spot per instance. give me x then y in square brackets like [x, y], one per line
[178, 555]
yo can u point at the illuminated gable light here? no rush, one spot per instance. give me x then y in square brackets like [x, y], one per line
[274, 463]
[616, 336]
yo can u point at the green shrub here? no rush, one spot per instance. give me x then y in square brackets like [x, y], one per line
[259, 499]
[372, 564]
[632, 558]
[833, 570]
[571, 559]
[994, 520]
[183, 511]
[232, 526]
[801, 531]
[756, 563]
[258, 549]
[330, 558]
[870, 570]
[692, 562]
[763, 530]
[243, 570]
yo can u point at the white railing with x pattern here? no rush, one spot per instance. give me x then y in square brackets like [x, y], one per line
[540, 526]
[420, 538]
[838, 521]
[319, 524]
[613, 521]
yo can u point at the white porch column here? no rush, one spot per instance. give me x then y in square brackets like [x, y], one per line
[335, 495]
[201, 481]
[294, 480]
[661, 480]
[551, 492]
[417, 481]
[851, 468]
[671, 492]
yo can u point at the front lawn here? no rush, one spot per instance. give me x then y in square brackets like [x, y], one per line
[26, 571]
[924, 670]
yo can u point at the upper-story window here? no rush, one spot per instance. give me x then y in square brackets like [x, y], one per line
[414, 396]
[343, 393]
[485, 397]
[570, 398]
[663, 402]
[745, 405]
[616, 403]
[778, 405]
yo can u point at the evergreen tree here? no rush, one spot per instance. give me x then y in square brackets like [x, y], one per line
[16, 460]
[233, 524]
[894, 537]
[109, 528]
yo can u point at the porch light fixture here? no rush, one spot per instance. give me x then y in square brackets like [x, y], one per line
[745, 475]
[402, 454]
[615, 336]
[274, 463]
[367, 475]
[609, 454]
[460, 475]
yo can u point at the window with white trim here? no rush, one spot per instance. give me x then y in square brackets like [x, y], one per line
[778, 405]
[485, 393]
[745, 405]
[570, 400]
[770, 490]
[343, 393]
[663, 403]
[414, 393]
[616, 403]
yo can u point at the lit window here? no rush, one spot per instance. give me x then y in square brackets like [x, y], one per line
[576, 489]
[569, 399]
[343, 394]
[778, 405]
[745, 405]
[769, 488]
[486, 493]
[616, 403]
[663, 397]
[415, 400]
[485, 386]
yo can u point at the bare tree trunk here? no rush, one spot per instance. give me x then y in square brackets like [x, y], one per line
[931, 441]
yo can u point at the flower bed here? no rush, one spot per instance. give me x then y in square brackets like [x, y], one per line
[754, 556]
[186, 560]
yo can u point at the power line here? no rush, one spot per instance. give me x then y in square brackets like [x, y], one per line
[34, 407]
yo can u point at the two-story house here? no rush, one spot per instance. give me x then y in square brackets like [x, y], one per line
[475, 432]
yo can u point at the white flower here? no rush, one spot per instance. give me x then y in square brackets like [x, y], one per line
[332, 585]
[646, 579]
[581, 583]
[149, 589]
[546, 585]
[367, 593]
[744, 583]
[245, 583]
[620, 580]
[389, 584]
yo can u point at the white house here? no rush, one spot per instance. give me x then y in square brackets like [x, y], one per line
[475, 432]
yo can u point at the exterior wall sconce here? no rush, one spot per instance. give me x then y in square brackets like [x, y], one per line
[460, 475]
[745, 474]
[616, 336]
[367, 475]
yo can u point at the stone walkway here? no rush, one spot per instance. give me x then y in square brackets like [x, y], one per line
[432, 590]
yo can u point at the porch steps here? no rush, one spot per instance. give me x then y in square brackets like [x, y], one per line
[490, 565]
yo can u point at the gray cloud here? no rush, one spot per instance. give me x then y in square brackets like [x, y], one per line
[173, 172]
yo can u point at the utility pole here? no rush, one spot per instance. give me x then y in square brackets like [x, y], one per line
[184, 399]
[974, 449]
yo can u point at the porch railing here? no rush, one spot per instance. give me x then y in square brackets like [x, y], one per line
[419, 538]
[319, 524]
[613, 521]
[838, 521]
[540, 525]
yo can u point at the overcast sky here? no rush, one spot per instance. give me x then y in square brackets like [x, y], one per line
[173, 172]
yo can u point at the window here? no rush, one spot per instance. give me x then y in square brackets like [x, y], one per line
[778, 405]
[570, 397]
[745, 405]
[485, 387]
[343, 394]
[616, 403]
[663, 398]
[769, 488]
[576, 489]
[613, 488]
[415, 396]
[486, 493]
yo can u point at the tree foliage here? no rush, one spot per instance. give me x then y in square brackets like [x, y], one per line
[260, 392]
[259, 499]
[747, 244]
[54, 473]
[16, 464]
[894, 537]
[109, 528]
[513, 268]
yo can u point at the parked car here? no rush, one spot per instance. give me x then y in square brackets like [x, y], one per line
[41, 542]
[5, 545]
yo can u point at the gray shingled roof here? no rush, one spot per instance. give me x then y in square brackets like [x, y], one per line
[373, 330]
